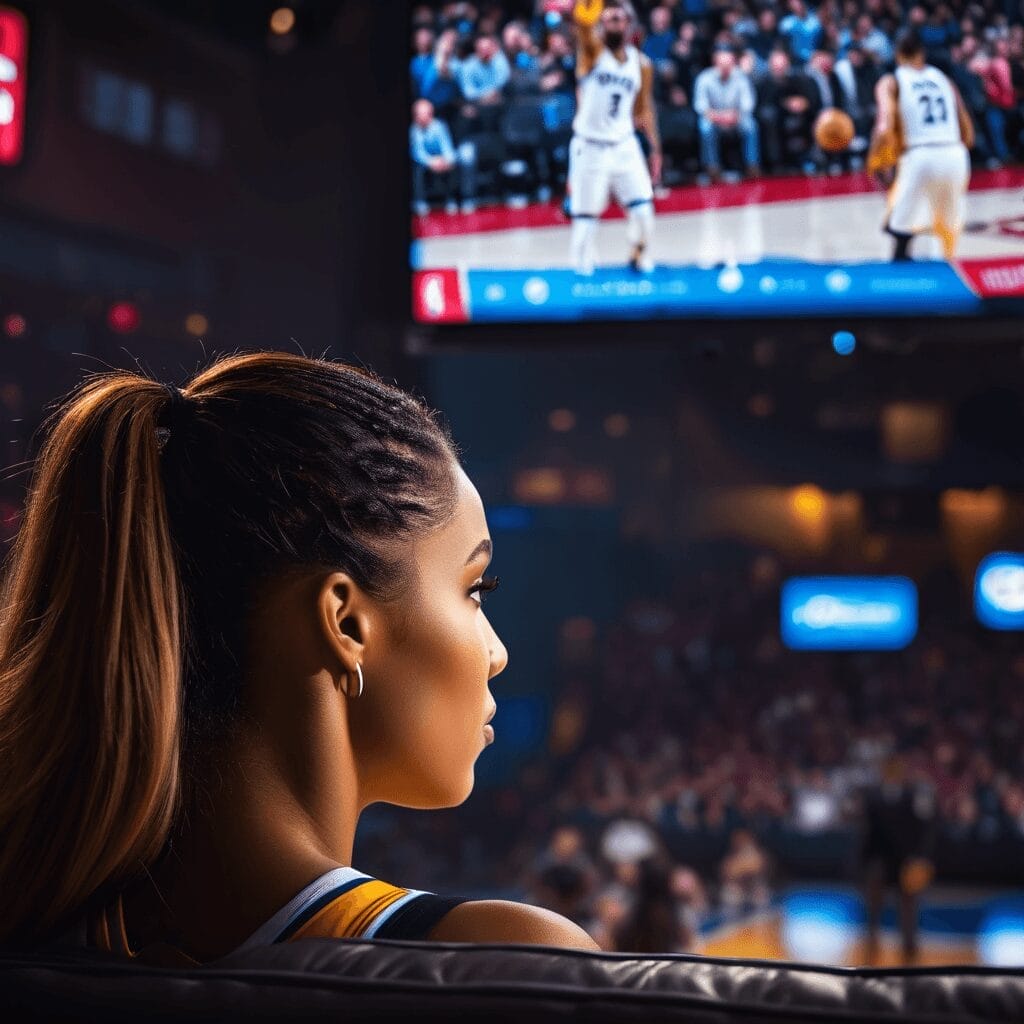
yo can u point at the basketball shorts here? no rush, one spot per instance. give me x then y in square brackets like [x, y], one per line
[600, 169]
[929, 189]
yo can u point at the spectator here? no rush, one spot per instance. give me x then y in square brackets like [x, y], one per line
[872, 39]
[439, 81]
[483, 79]
[998, 81]
[692, 904]
[858, 76]
[744, 874]
[787, 104]
[519, 46]
[688, 56]
[821, 71]
[653, 923]
[423, 57]
[434, 159]
[677, 126]
[898, 840]
[524, 60]
[660, 39]
[558, 65]
[766, 37]
[724, 102]
[802, 29]
[486, 73]
[939, 32]
[564, 875]
[610, 912]
[964, 72]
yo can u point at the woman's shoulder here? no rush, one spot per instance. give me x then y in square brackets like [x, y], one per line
[508, 921]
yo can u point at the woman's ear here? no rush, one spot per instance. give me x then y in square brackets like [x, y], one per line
[345, 620]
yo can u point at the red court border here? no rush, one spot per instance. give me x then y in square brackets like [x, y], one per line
[685, 200]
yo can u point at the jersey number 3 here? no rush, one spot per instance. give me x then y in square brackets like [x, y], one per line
[932, 111]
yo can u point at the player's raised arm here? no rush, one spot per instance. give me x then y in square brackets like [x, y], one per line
[645, 115]
[966, 124]
[587, 14]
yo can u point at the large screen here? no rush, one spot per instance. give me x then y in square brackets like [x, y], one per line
[848, 613]
[638, 161]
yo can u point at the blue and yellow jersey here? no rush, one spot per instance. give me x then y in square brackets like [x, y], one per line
[341, 904]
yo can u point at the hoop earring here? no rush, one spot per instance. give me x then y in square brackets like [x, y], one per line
[359, 672]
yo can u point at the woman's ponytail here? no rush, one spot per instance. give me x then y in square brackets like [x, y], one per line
[128, 592]
[90, 662]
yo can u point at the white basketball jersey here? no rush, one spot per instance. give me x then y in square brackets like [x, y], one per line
[927, 107]
[607, 97]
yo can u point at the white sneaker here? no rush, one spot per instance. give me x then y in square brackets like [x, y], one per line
[451, 208]
[585, 269]
[469, 206]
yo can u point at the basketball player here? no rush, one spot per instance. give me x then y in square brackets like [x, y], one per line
[920, 110]
[614, 96]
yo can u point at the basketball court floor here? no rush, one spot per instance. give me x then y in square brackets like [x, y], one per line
[956, 928]
[829, 220]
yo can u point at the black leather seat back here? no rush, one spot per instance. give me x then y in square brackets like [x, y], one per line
[426, 981]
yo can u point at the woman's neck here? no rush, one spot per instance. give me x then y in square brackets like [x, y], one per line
[242, 853]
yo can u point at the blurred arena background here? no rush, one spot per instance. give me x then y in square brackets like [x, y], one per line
[670, 770]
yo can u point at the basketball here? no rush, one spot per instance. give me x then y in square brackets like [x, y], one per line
[833, 130]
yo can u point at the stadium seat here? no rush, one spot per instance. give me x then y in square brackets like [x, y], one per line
[677, 127]
[351, 979]
[491, 152]
[526, 145]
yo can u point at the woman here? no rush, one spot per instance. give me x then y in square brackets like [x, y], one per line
[653, 924]
[235, 615]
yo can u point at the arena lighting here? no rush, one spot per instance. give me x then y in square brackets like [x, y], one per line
[15, 325]
[844, 343]
[541, 486]
[616, 425]
[561, 420]
[628, 840]
[820, 926]
[913, 432]
[13, 63]
[123, 317]
[999, 591]
[808, 501]
[196, 324]
[1001, 935]
[987, 506]
[282, 21]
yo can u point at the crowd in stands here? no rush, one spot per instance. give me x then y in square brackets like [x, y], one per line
[691, 755]
[496, 85]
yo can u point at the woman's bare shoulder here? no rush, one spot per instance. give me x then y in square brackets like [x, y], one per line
[508, 921]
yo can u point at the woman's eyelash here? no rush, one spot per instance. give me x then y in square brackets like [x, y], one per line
[485, 586]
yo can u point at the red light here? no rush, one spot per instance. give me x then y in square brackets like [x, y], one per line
[13, 64]
[123, 317]
[15, 325]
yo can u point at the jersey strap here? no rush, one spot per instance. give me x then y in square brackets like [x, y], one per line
[369, 908]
